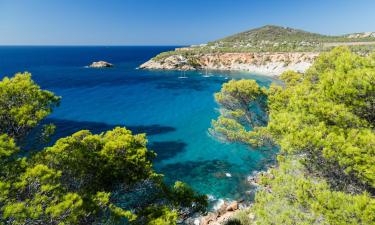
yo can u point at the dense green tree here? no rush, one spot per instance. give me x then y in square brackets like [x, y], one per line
[243, 109]
[102, 161]
[23, 105]
[293, 196]
[323, 122]
[84, 178]
[328, 116]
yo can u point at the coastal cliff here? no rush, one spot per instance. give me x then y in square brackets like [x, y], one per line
[268, 50]
[266, 63]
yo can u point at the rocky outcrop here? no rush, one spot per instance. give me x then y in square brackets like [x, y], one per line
[232, 206]
[224, 213]
[101, 64]
[225, 210]
[272, 64]
[174, 62]
[361, 35]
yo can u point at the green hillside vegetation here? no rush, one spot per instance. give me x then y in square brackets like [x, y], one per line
[323, 123]
[84, 178]
[274, 39]
[278, 37]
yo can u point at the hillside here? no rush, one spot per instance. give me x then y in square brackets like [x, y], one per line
[268, 50]
[276, 38]
[361, 35]
[274, 33]
[323, 124]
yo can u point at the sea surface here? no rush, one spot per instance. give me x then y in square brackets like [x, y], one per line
[175, 109]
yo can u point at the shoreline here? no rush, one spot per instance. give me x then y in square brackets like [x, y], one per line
[226, 209]
[265, 64]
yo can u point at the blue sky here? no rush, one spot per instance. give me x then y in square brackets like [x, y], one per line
[170, 22]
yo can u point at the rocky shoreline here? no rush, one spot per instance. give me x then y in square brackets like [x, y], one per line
[265, 63]
[228, 209]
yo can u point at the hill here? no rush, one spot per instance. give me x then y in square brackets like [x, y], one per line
[267, 50]
[274, 33]
[361, 35]
[272, 38]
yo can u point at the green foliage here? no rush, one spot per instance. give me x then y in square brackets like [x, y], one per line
[159, 216]
[291, 78]
[23, 105]
[272, 38]
[37, 196]
[163, 55]
[233, 222]
[7, 147]
[323, 122]
[183, 195]
[329, 116]
[78, 179]
[280, 39]
[243, 106]
[244, 216]
[118, 156]
[298, 198]
[47, 131]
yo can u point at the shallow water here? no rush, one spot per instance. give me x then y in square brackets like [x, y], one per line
[174, 109]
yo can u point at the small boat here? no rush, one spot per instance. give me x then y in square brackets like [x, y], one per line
[183, 75]
[206, 74]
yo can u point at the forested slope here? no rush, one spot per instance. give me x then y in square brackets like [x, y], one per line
[323, 122]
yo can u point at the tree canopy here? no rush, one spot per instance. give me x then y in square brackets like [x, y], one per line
[323, 122]
[243, 108]
[23, 105]
[84, 178]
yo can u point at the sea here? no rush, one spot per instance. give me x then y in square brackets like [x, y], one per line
[173, 108]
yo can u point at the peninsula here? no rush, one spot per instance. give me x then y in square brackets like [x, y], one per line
[268, 50]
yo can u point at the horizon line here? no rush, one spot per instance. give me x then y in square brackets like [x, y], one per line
[76, 45]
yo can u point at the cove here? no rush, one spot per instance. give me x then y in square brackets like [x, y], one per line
[174, 109]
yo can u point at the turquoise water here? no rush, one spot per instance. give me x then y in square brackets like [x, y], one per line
[174, 110]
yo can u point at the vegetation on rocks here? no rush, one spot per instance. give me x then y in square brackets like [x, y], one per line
[272, 38]
[84, 178]
[323, 122]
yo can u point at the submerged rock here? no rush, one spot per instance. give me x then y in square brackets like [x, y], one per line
[101, 64]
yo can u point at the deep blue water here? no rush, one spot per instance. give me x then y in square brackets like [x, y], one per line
[175, 112]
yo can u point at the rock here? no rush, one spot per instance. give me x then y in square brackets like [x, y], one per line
[222, 209]
[101, 64]
[221, 215]
[266, 63]
[233, 206]
[211, 217]
[174, 62]
[191, 220]
[249, 192]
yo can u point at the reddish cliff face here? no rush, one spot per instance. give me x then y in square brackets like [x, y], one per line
[262, 63]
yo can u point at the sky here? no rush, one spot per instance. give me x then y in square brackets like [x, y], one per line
[170, 22]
